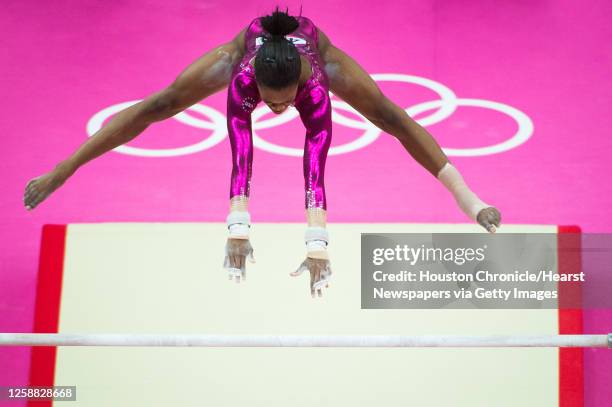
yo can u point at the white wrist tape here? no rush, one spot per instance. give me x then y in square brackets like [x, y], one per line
[468, 201]
[316, 238]
[316, 245]
[238, 223]
[238, 229]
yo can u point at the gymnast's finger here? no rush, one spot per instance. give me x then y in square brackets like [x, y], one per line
[34, 196]
[496, 218]
[36, 200]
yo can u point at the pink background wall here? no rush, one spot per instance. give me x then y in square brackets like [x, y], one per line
[63, 62]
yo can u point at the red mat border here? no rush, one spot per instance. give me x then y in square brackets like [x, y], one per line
[47, 306]
[49, 289]
[571, 360]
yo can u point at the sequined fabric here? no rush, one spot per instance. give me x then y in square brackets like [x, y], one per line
[312, 102]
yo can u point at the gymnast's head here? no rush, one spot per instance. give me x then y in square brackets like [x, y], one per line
[277, 63]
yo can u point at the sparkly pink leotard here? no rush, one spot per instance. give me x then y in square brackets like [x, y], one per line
[312, 102]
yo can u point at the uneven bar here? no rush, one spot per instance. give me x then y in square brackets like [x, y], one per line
[329, 341]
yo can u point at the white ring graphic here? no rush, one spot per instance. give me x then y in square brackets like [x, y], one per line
[524, 123]
[218, 125]
[446, 105]
[447, 96]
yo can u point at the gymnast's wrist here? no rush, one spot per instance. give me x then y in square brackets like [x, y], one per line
[65, 169]
[322, 254]
[238, 224]
[468, 201]
[316, 239]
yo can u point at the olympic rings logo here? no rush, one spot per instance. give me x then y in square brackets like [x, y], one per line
[446, 106]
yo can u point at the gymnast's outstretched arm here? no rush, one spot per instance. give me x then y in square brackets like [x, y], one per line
[207, 75]
[242, 98]
[352, 83]
[315, 113]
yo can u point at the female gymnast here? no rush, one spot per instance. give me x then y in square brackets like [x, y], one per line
[284, 61]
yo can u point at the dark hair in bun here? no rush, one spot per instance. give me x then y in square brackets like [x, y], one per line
[277, 64]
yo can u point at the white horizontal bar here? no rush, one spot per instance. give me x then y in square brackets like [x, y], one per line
[334, 341]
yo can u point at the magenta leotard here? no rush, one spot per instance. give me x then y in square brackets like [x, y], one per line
[312, 102]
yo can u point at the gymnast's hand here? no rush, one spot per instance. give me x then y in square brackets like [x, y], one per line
[489, 218]
[39, 188]
[320, 273]
[236, 252]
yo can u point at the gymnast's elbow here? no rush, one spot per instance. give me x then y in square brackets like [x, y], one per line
[159, 106]
[392, 119]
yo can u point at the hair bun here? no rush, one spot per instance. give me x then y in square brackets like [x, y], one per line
[279, 24]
